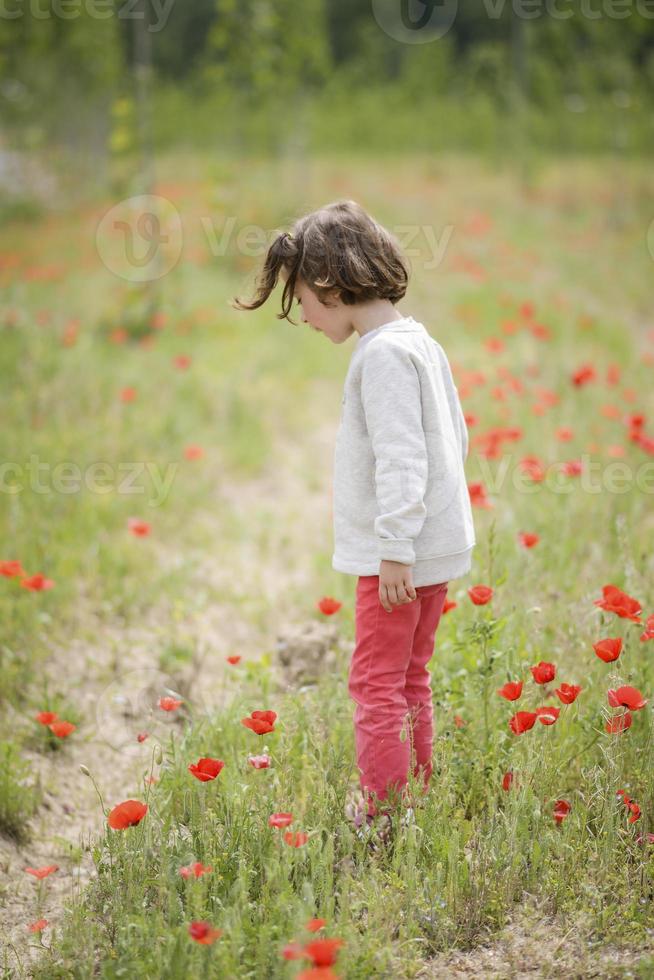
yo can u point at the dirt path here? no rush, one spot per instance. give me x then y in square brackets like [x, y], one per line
[113, 675]
[534, 944]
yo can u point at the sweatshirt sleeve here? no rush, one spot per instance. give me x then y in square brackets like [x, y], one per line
[392, 404]
[463, 428]
[460, 418]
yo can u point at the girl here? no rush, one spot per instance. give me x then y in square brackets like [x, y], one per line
[401, 509]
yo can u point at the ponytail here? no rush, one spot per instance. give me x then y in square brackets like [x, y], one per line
[283, 253]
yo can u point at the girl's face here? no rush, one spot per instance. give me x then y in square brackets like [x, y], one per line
[333, 321]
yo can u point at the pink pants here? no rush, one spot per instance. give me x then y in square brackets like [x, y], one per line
[391, 686]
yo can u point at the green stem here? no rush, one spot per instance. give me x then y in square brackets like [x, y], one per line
[573, 757]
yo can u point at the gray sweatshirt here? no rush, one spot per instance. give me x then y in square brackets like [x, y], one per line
[399, 488]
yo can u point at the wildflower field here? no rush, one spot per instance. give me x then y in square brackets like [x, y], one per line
[176, 739]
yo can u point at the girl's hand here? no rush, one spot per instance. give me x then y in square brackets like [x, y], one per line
[395, 584]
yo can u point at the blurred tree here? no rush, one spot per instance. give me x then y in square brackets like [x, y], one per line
[181, 43]
[267, 48]
[56, 70]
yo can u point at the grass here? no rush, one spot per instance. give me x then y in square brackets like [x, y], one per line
[575, 250]
[19, 797]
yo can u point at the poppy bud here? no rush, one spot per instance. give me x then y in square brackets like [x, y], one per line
[84, 770]
[158, 755]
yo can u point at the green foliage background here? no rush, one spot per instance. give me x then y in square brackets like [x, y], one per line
[250, 75]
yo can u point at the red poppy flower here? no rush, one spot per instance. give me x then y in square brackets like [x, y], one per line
[616, 601]
[295, 838]
[293, 951]
[450, 604]
[138, 527]
[649, 630]
[169, 704]
[561, 810]
[234, 659]
[127, 814]
[511, 690]
[42, 872]
[619, 723]
[194, 452]
[323, 952]
[480, 594]
[613, 374]
[206, 769]
[527, 539]
[329, 606]
[533, 468]
[459, 721]
[127, 394]
[37, 583]
[507, 780]
[568, 693]
[478, 496]
[280, 819]
[522, 721]
[564, 434]
[11, 569]
[62, 729]
[182, 361]
[141, 737]
[204, 932]
[495, 345]
[583, 374]
[543, 672]
[46, 717]
[197, 869]
[38, 925]
[635, 420]
[608, 650]
[259, 761]
[260, 722]
[635, 810]
[573, 467]
[313, 925]
[548, 714]
[318, 973]
[628, 697]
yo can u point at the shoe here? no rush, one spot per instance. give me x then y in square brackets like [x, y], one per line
[355, 808]
[408, 817]
[376, 831]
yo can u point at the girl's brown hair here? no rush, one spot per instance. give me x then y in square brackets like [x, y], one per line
[339, 247]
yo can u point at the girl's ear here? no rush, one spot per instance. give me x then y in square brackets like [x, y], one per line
[334, 295]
